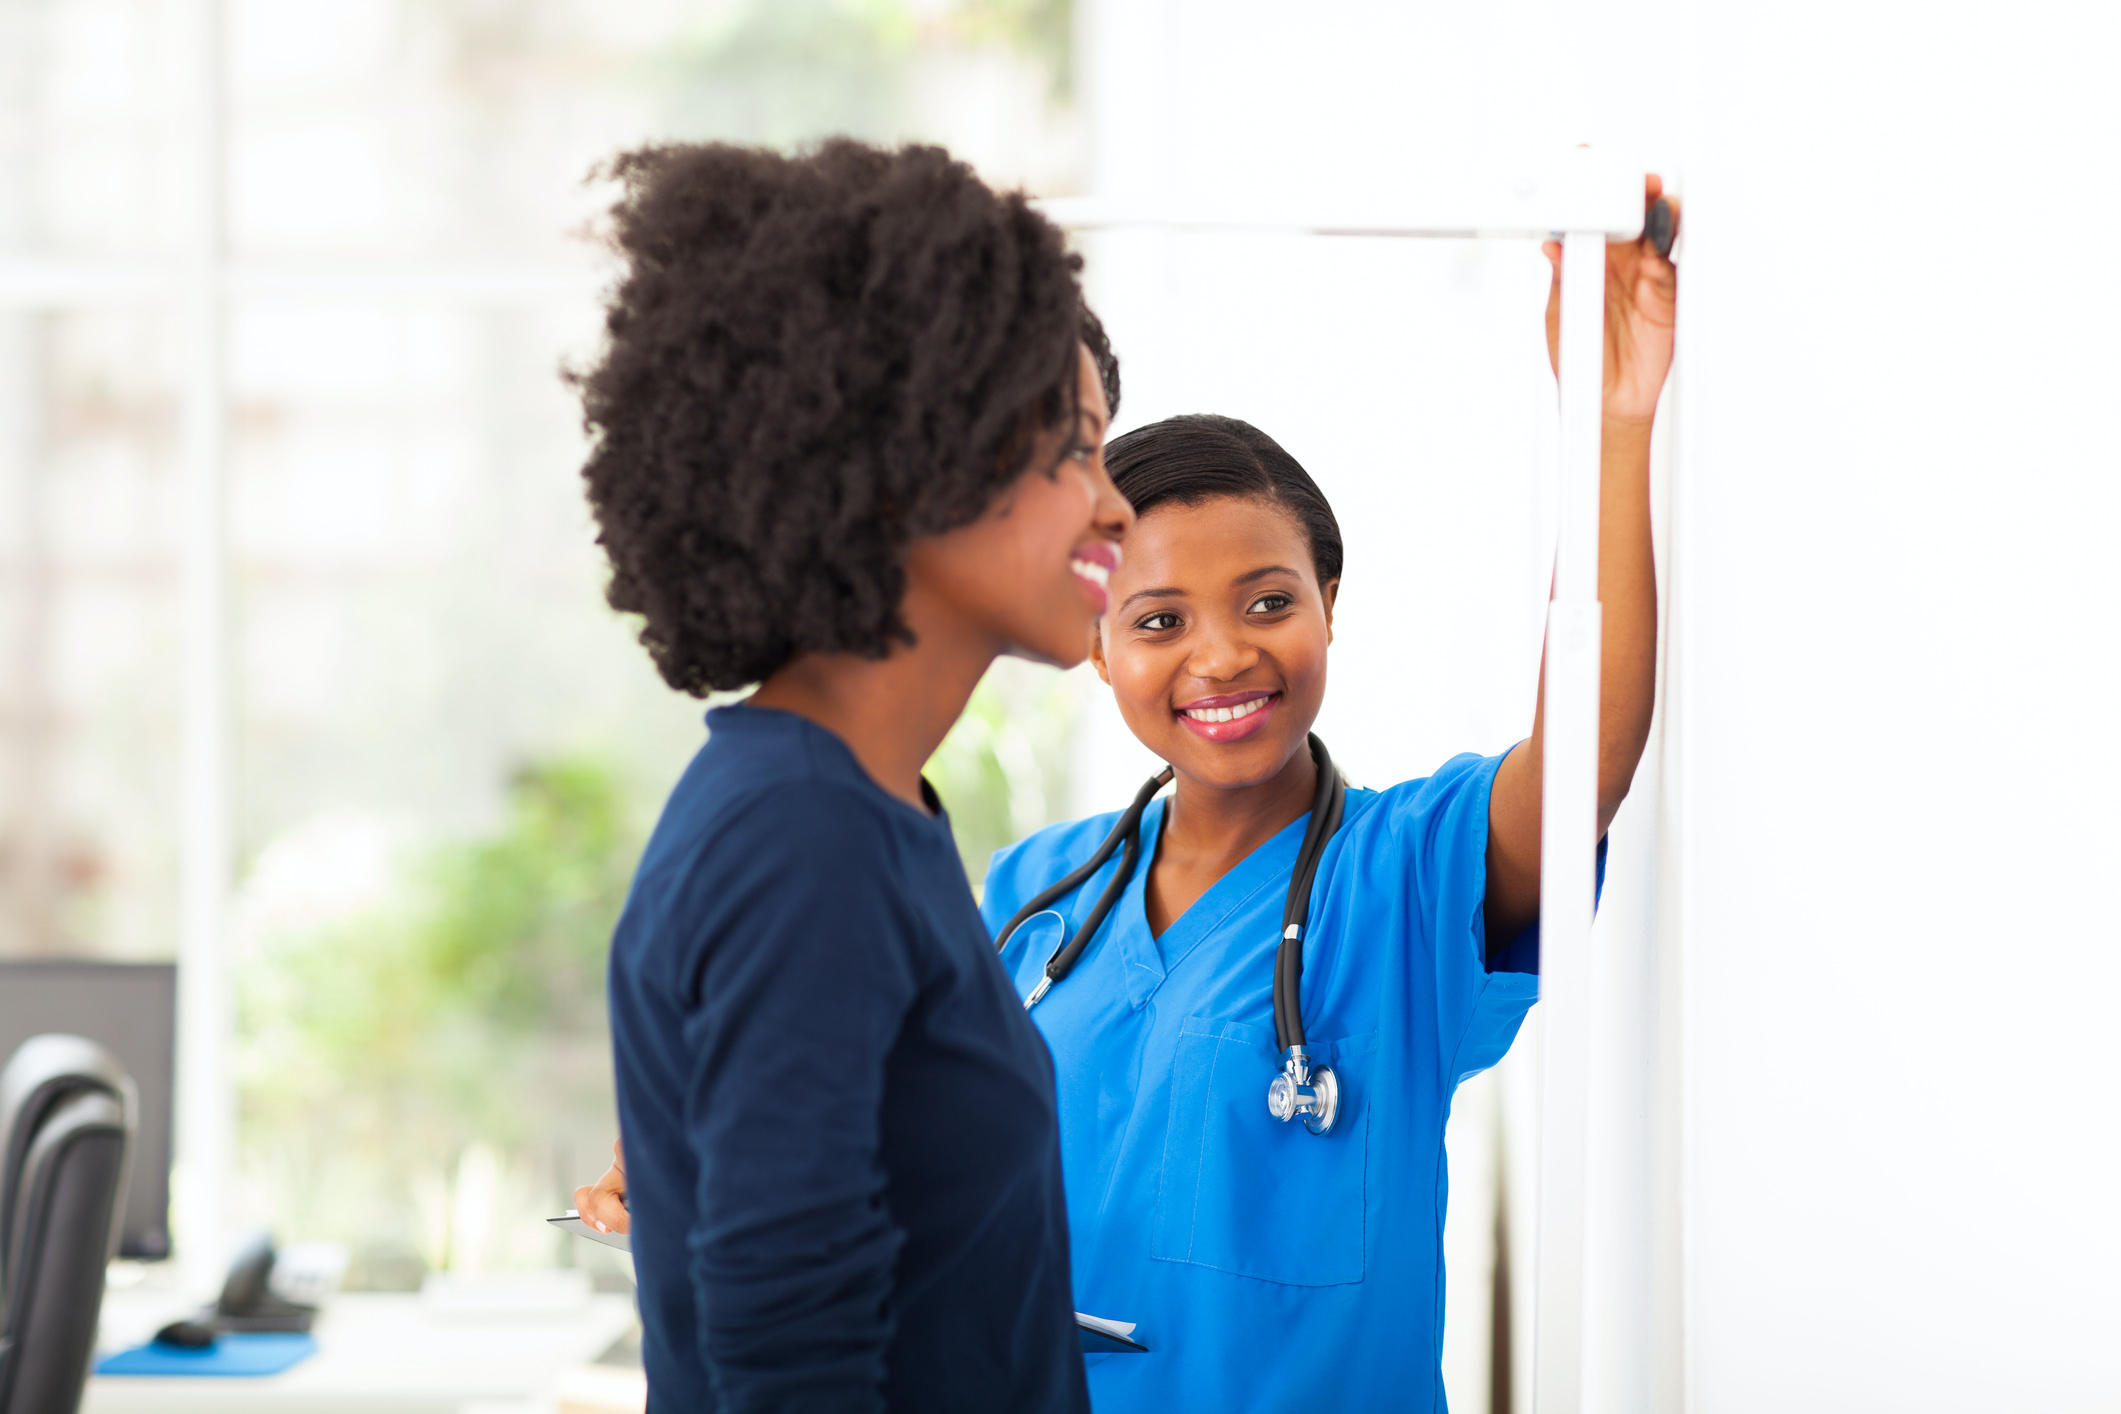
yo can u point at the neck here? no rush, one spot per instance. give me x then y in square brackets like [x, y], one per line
[892, 712]
[1229, 822]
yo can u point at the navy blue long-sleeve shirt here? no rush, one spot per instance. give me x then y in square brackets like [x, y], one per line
[842, 1162]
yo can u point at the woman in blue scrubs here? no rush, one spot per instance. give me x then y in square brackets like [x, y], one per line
[1269, 1268]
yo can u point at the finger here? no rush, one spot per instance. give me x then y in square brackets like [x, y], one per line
[1652, 188]
[618, 1157]
[610, 1211]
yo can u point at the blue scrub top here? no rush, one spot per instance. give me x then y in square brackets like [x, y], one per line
[1270, 1269]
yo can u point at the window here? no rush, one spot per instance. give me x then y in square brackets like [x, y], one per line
[308, 680]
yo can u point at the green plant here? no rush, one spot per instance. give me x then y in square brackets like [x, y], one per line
[467, 1008]
[1003, 770]
[438, 1062]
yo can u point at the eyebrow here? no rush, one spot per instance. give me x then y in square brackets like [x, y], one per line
[1170, 592]
[1163, 593]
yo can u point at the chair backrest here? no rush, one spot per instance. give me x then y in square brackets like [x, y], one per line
[44, 1073]
[69, 1116]
[66, 1232]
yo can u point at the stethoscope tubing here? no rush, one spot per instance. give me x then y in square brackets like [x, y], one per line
[1328, 803]
[1128, 832]
[1328, 806]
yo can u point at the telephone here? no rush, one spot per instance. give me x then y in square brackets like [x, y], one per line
[248, 1302]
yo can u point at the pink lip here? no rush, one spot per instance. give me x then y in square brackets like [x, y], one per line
[1228, 699]
[1097, 552]
[1225, 732]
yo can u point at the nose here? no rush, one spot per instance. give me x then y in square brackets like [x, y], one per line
[1220, 650]
[1110, 512]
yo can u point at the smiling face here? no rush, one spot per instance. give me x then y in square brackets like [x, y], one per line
[1030, 575]
[1215, 645]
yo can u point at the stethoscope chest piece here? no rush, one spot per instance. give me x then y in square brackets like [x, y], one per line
[1304, 1089]
[1301, 1088]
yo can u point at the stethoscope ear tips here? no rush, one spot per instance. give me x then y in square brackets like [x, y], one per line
[1304, 1089]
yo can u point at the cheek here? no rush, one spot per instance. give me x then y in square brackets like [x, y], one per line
[1023, 553]
[1049, 524]
[1303, 659]
[1140, 680]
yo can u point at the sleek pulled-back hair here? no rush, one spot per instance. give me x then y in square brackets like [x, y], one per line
[809, 362]
[1200, 457]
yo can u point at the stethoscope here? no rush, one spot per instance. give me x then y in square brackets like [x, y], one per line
[1301, 1088]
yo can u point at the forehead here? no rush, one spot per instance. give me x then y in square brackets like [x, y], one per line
[1212, 542]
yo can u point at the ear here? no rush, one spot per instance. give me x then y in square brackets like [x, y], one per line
[1330, 592]
[1097, 653]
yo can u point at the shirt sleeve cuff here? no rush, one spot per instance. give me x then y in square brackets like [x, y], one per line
[1521, 953]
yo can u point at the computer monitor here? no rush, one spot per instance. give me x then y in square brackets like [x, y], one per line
[131, 1009]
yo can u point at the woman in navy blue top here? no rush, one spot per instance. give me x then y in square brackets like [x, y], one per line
[848, 428]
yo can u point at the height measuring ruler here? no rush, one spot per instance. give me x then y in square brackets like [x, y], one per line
[1586, 202]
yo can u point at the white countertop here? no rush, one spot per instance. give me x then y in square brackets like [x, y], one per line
[407, 1354]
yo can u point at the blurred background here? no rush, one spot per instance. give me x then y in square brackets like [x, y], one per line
[439, 753]
[307, 683]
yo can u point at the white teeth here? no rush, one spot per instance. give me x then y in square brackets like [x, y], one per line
[1096, 573]
[1227, 714]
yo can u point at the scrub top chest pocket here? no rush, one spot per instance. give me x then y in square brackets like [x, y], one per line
[1246, 1193]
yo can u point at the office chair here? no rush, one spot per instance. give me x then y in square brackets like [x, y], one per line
[67, 1114]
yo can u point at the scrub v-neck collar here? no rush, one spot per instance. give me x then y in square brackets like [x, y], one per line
[1150, 958]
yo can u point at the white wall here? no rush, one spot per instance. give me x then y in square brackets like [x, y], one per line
[1855, 1080]
[1900, 680]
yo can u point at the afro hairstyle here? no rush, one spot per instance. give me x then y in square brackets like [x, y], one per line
[809, 361]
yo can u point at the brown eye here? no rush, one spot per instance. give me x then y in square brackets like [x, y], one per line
[1158, 623]
[1270, 604]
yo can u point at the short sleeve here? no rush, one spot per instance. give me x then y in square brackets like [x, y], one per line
[1483, 987]
[1436, 835]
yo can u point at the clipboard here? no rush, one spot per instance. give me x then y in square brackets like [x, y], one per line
[571, 1221]
[1100, 1336]
[1097, 1334]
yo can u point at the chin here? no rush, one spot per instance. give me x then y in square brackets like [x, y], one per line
[1233, 767]
[1230, 772]
[1057, 647]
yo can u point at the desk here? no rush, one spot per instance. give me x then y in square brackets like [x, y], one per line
[379, 1352]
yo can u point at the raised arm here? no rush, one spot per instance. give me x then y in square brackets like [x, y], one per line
[1640, 300]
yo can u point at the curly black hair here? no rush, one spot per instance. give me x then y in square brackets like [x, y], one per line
[809, 361]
